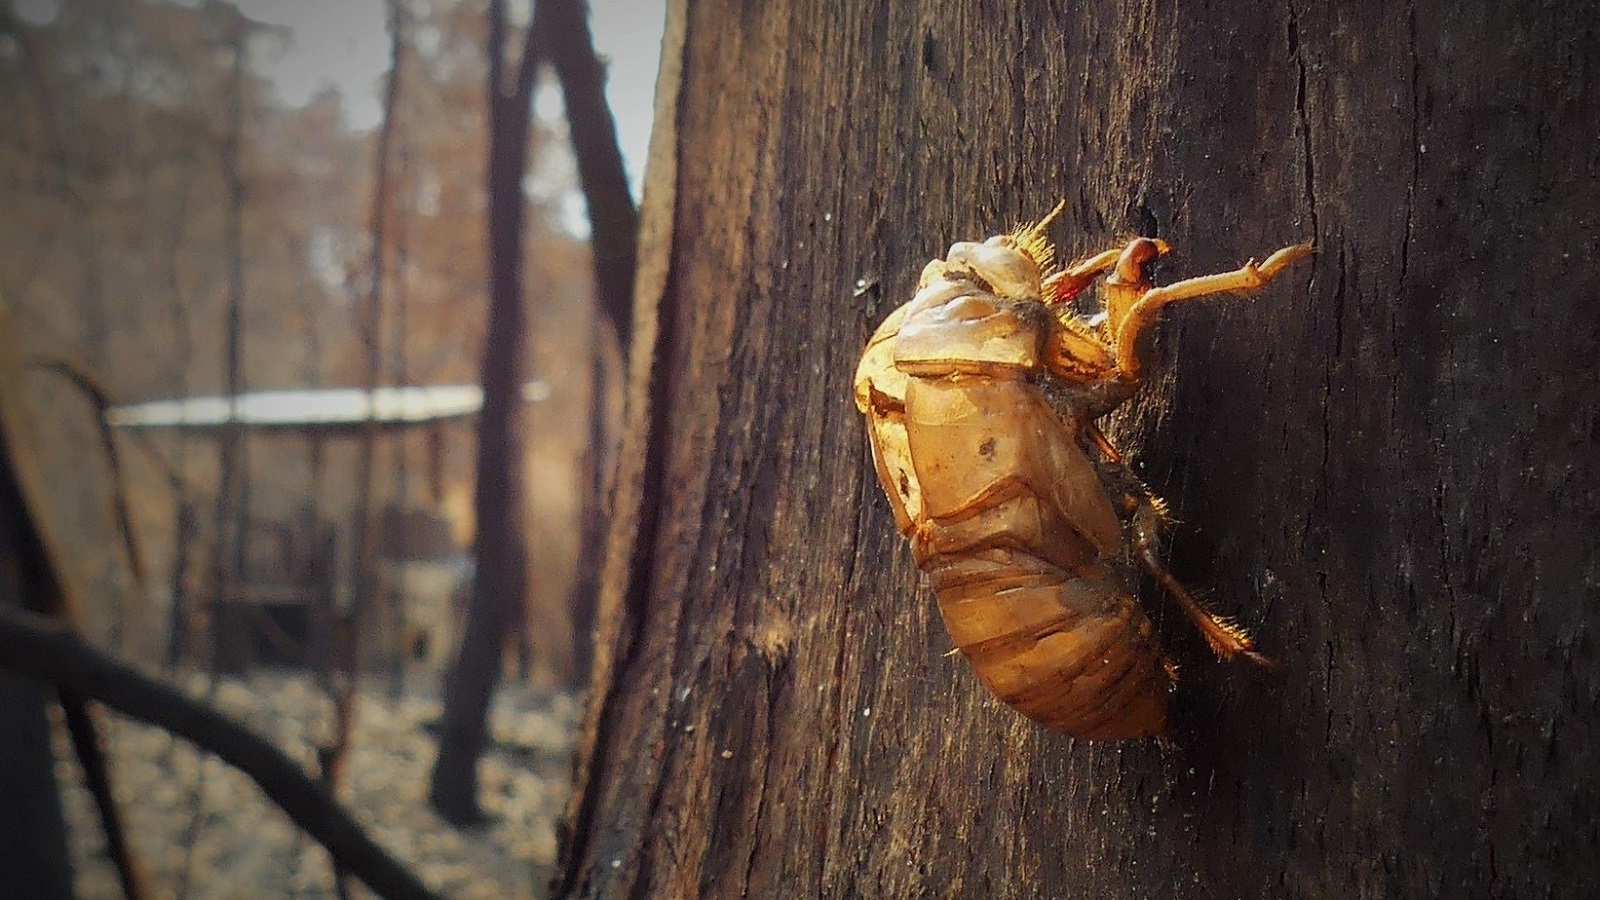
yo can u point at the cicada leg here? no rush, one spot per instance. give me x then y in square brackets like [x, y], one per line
[1085, 355]
[1069, 282]
[1226, 639]
[1132, 305]
[1104, 443]
[1146, 515]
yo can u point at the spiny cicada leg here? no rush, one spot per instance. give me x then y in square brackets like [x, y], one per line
[1226, 639]
[1104, 443]
[1126, 323]
[1069, 282]
[1076, 352]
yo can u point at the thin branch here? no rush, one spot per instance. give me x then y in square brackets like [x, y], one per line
[35, 567]
[332, 755]
[233, 480]
[97, 777]
[40, 648]
[97, 395]
[528, 62]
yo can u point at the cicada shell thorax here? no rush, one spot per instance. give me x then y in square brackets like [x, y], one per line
[977, 426]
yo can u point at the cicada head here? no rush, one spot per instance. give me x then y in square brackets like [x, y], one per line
[997, 305]
[1011, 266]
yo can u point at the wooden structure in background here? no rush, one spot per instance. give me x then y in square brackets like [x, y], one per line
[283, 605]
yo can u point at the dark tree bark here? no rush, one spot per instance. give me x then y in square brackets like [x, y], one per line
[33, 831]
[501, 557]
[1383, 465]
[36, 579]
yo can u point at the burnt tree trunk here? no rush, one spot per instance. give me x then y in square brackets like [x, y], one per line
[38, 578]
[614, 234]
[35, 858]
[501, 558]
[1383, 465]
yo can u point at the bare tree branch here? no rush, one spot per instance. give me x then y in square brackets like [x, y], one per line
[100, 398]
[613, 241]
[231, 507]
[97, 776]
[51, 600]
[46, 650]
[563, 26]
[528, 62]
[496, 52]
[363, 582]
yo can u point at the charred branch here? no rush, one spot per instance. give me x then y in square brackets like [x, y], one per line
[45, 650]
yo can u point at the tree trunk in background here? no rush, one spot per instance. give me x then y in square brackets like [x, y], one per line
[496, 603]
[180, 356]
[364, 599]
[1383, 465]
[231, 515]
[614, 243]
[34, 856]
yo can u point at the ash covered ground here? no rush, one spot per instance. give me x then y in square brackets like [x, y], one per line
[244, 847]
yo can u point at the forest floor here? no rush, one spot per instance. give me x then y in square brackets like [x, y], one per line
[243, 847]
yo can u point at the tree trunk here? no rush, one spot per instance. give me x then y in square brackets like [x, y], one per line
[37, 576]
[33, 831]
[501, 558]
[614, 235]
[1382, 465]
[231, 514]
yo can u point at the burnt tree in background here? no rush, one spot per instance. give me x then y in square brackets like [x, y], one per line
[1383, 466]
[500, 555]
[614, 228]
[35, 859]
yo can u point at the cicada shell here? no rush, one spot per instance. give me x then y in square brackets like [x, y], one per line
[981, 396]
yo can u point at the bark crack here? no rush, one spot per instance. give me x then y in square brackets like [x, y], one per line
[1416, 137]
[1302, 101]
[1297, 53]
[752, 857]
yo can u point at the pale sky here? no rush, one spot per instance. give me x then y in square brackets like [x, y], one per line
[344, 43]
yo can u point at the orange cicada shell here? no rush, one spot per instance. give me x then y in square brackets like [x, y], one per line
[981, 396]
